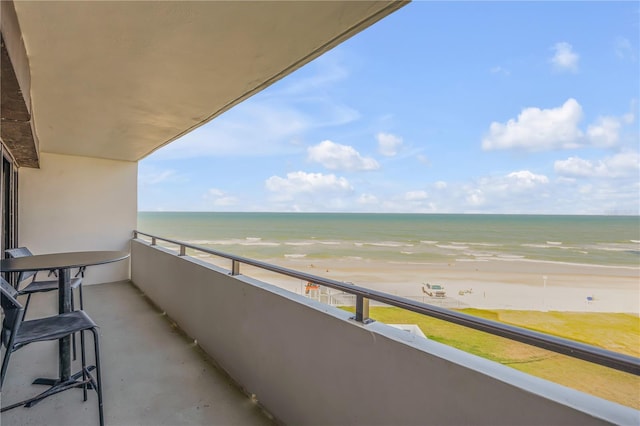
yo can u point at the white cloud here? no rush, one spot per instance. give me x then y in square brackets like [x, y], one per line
[628, 118]
[151, 178]
[302, 183]
[538, 129]
[620, 165]
[327, 72]
[565, 59]
[517, 192]
[367, 199]
[526, 191]
[335, 156]
[509, 184]
[151, 175]
[475, 197]
[500, 70]
[505, 193]
[526, 179]
[424, 159]
[604, 132]
[388, 144]
[219, 198]
[416, 195]
[623, 49]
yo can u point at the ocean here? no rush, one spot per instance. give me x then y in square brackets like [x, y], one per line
[406, 238]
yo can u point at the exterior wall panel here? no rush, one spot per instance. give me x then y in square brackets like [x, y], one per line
[308, 363]
[79, 203]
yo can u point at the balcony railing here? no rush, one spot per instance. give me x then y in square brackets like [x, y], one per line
[611, 359]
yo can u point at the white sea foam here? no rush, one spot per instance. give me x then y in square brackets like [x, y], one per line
[452, 247]
[243, 242]
[478, 254]
[389, 244]
[620, 249]
[295, 256]
[201, 242]
[483, 244]
[335, 241]
[555, 262]
[510, 256]
[548, 245]
[214, 242]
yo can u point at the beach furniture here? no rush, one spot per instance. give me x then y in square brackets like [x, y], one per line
[17, 333]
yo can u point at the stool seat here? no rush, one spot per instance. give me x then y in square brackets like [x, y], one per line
[44, 286]
[53, 328]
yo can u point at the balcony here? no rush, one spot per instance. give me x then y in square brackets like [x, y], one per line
[153, 374]
[303, 361]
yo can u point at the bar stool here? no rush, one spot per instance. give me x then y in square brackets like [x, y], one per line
[17, 333]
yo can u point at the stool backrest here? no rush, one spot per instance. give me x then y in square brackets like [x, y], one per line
[21, 252]
[13, 312]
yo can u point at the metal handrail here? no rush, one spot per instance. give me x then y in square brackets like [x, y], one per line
[559, 345]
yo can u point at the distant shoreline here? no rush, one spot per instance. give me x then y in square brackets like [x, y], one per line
[591, 262]
[516, 284]
[394, 213]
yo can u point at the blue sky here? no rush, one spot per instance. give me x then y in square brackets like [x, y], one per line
[442, 107]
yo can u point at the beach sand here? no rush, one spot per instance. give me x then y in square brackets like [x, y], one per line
[504, 284]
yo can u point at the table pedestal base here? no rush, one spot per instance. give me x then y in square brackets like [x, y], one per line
[57, 386]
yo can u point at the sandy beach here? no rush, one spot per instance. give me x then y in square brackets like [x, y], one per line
[503, 284]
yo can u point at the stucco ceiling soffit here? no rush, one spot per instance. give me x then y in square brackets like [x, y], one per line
[120, 79]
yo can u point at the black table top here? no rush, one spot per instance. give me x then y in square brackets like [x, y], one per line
[43, 262]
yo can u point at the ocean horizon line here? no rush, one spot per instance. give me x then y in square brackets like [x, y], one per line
[401, 213]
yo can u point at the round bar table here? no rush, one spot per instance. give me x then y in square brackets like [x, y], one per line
[62, 262]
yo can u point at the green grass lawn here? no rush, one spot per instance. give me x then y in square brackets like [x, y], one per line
[616, 332]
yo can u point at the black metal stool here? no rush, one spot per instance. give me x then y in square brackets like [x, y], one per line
[16, 333]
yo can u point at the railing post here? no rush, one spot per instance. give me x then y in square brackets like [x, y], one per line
[135, 235]
[235, 267]
[362, 310]
[153, 241]
[183, 250]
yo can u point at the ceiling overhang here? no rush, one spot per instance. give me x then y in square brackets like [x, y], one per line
[118, 80]
[16, 127]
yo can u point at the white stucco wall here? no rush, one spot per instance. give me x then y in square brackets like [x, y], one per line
[79, 203]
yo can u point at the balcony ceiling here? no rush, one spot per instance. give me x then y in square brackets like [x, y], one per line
[118, 80]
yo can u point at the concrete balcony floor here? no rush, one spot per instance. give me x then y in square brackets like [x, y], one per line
[152, 375]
